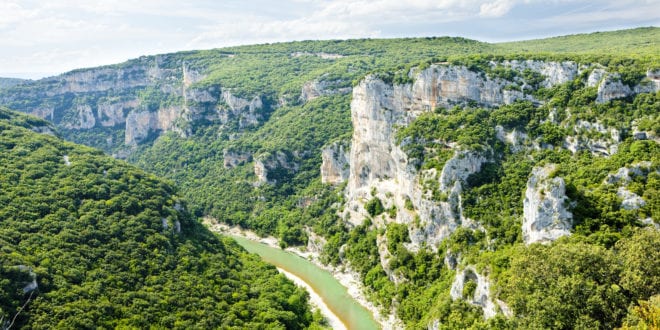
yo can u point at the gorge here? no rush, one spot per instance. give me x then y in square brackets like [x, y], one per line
[462, 183]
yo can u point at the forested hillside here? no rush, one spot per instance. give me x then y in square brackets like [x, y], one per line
[90, 242]
[468, 184]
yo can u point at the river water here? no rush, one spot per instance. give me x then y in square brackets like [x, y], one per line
[335, 296]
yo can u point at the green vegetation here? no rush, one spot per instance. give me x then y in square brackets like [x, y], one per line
[112, 246]
[603, 276]
[581, 281]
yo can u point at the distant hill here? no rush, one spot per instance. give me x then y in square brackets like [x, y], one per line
[10, 82]
[637, 42]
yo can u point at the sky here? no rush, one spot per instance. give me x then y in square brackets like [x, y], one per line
[43, 38]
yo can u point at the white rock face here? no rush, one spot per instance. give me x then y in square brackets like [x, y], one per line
[611, 87]
[266, 163]
[247, 111]
[325, 56]
[316, 88]
[233, 158]
[376, 161]
[595, 77]
[555, 72]
[546, 217]
[139, 124]
[459, 167]
[335, 166]
[630, 200]
[515, 138]
[623, 176]
[605, 145]
[84, 118]
[112, 113]
[481, 296]
[44, 112]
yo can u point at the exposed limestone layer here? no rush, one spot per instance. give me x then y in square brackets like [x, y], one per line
[246, 112]
[481, 294]
[624, 176]
[139, 124]
[232, 158]
[268, 168]
[545, 213]
[376, 161]
[555, 73]
[149, 95]
[316, 88]
[611, 87]
[335, 166]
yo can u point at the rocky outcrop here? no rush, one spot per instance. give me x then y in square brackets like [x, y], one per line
[516, 138]
[335, 166]
[629, 200]
[248, 113]
[595, 77]
[554, 73]
[113, 112]
[271, 168]
[594, 137]
[545, 209]
[625, 175]
[378, 163]
[316, 88]
[232, 158]
[611, 87]
[459, 167]
[480, 296]
[140, 124]
[83, 118]
[325, 56]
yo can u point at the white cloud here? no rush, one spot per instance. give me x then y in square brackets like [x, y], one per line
[12, 13]
[496, 8]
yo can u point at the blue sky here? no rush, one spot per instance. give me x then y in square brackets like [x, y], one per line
[39, 38]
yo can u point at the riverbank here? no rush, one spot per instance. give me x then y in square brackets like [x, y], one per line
[316, 301]
[350, 280]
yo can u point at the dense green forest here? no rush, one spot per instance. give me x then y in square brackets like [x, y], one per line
[604, 275]
[112, 246]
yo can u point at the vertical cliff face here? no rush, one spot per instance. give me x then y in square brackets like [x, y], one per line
[479, 292]
[377, 162]
[335, 166]
[143, 97]
[430, 201]
[546, 214]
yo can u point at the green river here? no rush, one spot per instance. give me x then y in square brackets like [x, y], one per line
[351, 313]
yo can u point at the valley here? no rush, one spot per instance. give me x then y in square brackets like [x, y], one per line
[461, 184]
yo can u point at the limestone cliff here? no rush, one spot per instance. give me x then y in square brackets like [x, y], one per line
[478, 294]
[143, 97]
[271, 168]
[546, 215]
[378, 162]
[335, 166]
[315, 88]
